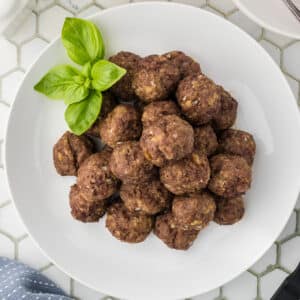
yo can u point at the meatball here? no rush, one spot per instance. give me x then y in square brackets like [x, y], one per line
[145, 197]
[187, 175]
[129, 164]
[238, 142]
[229, 211]
[123, 88]
[173, 236]
[122, 124]
[155, 79]
[95, 177]
[70, 152]
[108, 104]
[130, 227]
[194, 211]
[84, 207]
[186, 65]
[205, 140]
[227, 114]
[199, 98]
[170, 138]
[155, 110]
[230, 175]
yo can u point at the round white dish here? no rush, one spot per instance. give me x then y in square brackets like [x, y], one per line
[271, 14]
[150, 270]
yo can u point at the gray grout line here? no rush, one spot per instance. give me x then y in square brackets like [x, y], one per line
[287, 238]
[258, 289]
[278, 253]
[21, 238]
[232, 12]
[4, 204]
[290, 44]
[38, 35]
[297, 221]
[4, 103]
[9, 236]
[46, 267]
[216, 9]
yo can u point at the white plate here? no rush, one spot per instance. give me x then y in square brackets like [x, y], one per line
[271, 14]
[150, 270]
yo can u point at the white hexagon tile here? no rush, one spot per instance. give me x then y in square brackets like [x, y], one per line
[19, 50]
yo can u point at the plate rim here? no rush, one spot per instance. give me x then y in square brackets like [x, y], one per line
[8, 179]
[243, 8]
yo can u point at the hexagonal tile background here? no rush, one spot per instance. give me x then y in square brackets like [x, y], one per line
[17, 53]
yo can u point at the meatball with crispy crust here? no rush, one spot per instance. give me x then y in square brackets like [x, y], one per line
[123, 88]
[122, 124]
[238, 142]
[230, 175]
[228, 112]
[155, 110]
[187, 175]
[145, 197]
[85, 207]
[194, 211]
[108, 104]
[95, 177]
[229, 211]
[199, 98]
[186, 65]
[205, 140]
[173, 236]
[129, 164]
[70, 152]
[170, 138]
[155, 79]
[130, 227]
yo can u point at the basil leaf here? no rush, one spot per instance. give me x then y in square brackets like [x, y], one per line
[63, 82]
[82, 40]
[86, 70]
[105, 74]
[81, 116]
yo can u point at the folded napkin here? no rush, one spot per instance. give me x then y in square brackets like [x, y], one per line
[18, 282]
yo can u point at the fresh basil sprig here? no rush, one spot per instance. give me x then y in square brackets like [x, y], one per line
[81, 89]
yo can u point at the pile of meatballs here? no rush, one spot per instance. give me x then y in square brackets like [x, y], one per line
[169, 162]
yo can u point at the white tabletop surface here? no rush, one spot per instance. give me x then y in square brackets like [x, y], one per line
[17, 52]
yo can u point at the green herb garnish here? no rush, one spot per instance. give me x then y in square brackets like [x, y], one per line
[81, 89]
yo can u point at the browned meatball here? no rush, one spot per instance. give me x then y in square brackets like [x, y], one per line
[229, 211]
[230, 175]
[145, 197]
[123, 88]
[70, 152]
[205, 140]
[187, 175]
[170, 138]
[194, 211]
[155, 110]
[108, 104]
[185, 64]
[122, 124]
[155, 79]
[95, 177]
[199, 98]
[238, 142]
[227, 115]
[84, 207]
[173, 236]
[130, 227]
[129, 164]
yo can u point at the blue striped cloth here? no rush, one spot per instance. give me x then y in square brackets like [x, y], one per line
[18, 282]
